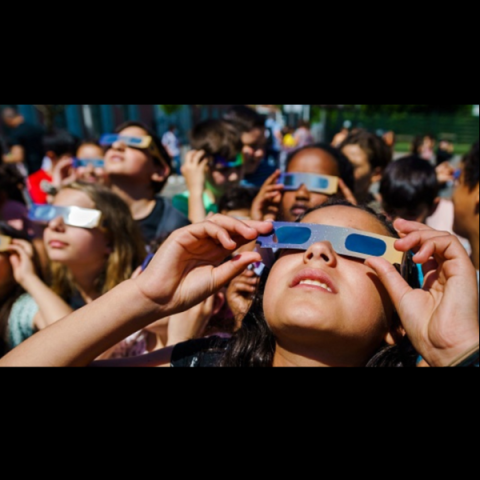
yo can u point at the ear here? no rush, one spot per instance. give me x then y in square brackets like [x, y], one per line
[435, 205]
[218, 302]
[161, 173]
[377, 175]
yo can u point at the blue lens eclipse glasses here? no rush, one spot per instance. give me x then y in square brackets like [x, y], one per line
[345, 241]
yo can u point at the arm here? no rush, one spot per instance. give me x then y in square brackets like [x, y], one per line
[194, 172]
[186, 270]
[16, 155]
[441, 320]
[51, 307]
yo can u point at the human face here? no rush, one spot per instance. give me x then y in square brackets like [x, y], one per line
[362, 169]
[136, 164]
[465, 203]
[91, 174]
[74, 246]
[254, 143]
[221, 179]
[343, 311]
[311, 160]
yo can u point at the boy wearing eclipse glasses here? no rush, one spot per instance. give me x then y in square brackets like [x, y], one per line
[138, 167]
[214, 166]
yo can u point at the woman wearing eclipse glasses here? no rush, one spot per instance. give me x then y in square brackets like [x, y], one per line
[333, 295]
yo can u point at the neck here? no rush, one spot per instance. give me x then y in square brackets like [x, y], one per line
[139, 199]
[314, 356]
[84, 278]
[474, 239]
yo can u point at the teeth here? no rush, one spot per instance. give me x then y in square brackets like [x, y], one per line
[316, 283]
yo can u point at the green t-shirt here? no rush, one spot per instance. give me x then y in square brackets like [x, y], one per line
[180, 202]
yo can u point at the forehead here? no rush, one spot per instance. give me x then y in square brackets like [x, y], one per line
[90, 151]
[134, 132]
[341, 216]
[314, 160]
[254, 137]
[73, 198]
[355, 153]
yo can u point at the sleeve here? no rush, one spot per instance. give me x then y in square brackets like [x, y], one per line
[20, 322]
[180, 202]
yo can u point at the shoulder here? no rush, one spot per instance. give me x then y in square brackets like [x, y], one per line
[204, 352]
[20, 321]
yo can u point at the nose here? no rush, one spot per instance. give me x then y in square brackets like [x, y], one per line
[119, 145]
[303, 193]
[57, 224]
[322, 252]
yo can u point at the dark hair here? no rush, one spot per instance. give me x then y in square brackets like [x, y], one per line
[378, 153]
[244, 118]
[254, 344]
[236, 198]
[345, 168]
[11, 183]
[408, 185]
[60, 142]
[470, 163]
[157, 186]
[16, 291]
[216, 137]
[417, 142]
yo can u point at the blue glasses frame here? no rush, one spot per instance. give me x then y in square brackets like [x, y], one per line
[315, 183]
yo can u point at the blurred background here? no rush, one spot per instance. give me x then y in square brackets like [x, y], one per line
[458, 124]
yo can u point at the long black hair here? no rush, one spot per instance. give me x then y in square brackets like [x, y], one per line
[254, 344]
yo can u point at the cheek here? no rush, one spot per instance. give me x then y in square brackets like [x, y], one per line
[218, 178]
[317, 199]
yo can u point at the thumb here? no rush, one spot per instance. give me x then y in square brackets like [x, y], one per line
[395, 285]
[228, 271]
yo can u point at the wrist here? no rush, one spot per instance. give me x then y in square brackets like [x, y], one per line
[456, 355]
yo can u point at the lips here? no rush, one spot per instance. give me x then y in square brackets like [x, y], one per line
[314, 279]
[299, 209]
[57, 244]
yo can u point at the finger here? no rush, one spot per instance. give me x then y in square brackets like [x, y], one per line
[395, 285]
[406, 226]
[226, 272]
[415, 240]
[27, 246]
[243, 287]
[248, 229]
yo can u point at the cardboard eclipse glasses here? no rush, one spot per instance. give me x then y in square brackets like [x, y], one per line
[143, 143]
[73, 216]
[4, 243]
[315, 183]
[345, 241]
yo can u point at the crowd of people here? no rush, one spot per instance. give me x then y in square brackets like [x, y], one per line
[281, 250]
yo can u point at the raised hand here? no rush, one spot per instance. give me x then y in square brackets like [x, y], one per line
[441, 319]
[266, 204]
[194, 171]
[188, 267]
[21, 261]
